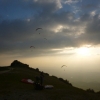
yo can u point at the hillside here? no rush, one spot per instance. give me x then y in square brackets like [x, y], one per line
[11, 87]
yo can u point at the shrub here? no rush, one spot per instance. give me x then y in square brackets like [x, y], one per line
[90, 90]
[65, 81]
[37, 69]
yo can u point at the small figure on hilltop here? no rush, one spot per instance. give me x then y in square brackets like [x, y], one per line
[39, 81]
[41, 78]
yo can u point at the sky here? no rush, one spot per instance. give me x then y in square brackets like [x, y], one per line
[69, 36]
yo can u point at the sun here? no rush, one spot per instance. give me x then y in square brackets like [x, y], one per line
[83, 51]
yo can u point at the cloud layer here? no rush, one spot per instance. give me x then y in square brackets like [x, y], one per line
[65, 23]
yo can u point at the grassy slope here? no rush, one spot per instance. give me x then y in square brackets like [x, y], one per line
[11, 81]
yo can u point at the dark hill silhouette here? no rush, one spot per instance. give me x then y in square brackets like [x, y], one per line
[18, 64]
[11, 87]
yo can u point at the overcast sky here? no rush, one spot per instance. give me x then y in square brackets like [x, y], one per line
[64, 23]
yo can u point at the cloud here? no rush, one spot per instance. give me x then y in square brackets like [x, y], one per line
[70, 1]
[91, 32]
[61, 28]
[46, 6]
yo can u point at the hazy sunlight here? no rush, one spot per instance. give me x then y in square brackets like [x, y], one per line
[83, 51]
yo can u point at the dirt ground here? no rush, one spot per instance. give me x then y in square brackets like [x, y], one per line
[43, 95]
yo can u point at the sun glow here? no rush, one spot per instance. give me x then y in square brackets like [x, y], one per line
[83, 51]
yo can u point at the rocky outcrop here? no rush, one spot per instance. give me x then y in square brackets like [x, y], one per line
[18, 64]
